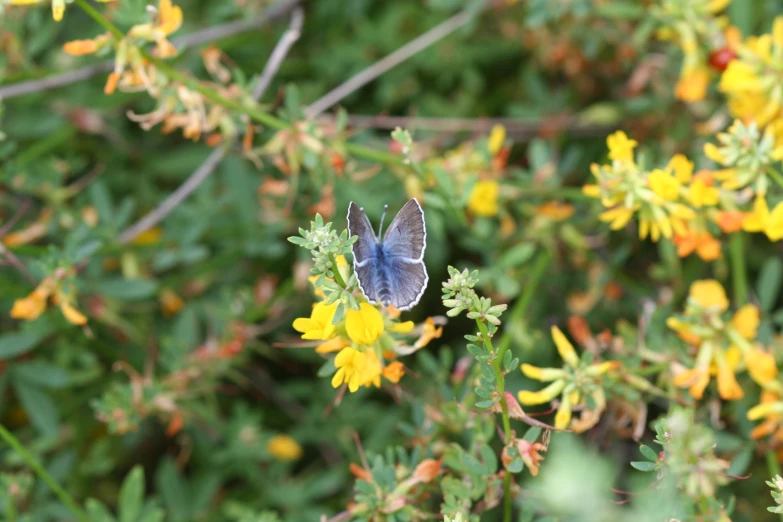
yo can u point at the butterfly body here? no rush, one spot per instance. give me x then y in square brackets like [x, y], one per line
[390, 270]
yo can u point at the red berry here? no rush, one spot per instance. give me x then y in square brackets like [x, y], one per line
[720, 59]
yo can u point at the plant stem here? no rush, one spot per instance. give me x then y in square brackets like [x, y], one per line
[249, 110]
[50, 481]
[738, 272]
[501, 387]
[773, 467]
[338, 277]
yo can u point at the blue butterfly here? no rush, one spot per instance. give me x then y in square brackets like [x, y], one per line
[391, 270]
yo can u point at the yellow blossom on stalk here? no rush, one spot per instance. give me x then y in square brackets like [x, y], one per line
[283, 447]
[429, 332]
[682, 168]
[364, 326]
[575, 383]
[319, 325]
[770, 409]
[693, 83]
[483, 199]
[555, 210]
[721, 341]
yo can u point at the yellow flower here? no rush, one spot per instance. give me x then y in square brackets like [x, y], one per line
[713, 152]
[319, 325]
[529, 398]
[746, 321]
[428, 333]
[72, 315]
[709, 293]
[761, 366]
[664, 185]
[402, 328]
[365, 325]
[617, 217]
[762, 220]
[496, 138]
[564, 412]
[620, 147]
[31, 307]
[692, 85]
[728, 387]
[350, 364]
[335, 344]
[682, 168]
[484, 198]
[702, 194]
[564, 347]
[695, 379]
[283, 447]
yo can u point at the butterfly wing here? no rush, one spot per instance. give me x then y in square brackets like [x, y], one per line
[364, 251]
[406, 280]
[406, 237]
[403, 248]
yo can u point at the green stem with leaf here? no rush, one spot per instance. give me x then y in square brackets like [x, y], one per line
[501, 388]
[773, 468]
[38, 468]
[338, 277]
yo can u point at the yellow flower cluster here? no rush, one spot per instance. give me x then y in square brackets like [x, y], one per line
[721, 342]
[662, 199]
[364, 342]
[578, 383]
[752, 80]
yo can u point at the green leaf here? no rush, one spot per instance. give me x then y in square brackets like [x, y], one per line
[486, 404]
[643, 465]
[516, 465]
[515, 256]
[39, 407]
[127, 289]
[131, 495]
[39, 373]
[17, 343]
[649, 453]
[532, 434]
[98, 512]
[768, 284]
[489, 458]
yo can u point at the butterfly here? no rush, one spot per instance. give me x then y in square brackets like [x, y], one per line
[391, 270]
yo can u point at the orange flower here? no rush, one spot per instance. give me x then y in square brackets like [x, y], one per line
[394, 371]
[111, 83]
[555, 210]
[427, 470]
[730, 221]
[701, 242]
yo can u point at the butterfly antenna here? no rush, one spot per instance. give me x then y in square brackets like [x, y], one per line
[383, 216]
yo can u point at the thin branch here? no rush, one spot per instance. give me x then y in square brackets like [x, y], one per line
[194, 39]
[209, 165]
[515, 127]
[5, 252]
[372, 72]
